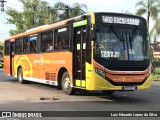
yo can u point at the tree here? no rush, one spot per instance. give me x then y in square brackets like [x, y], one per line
[60, 14]
[35, 13]
[77, 9]
[1, 46]
[74, 10]
[155, 32]
[15, 18]
[149, 7]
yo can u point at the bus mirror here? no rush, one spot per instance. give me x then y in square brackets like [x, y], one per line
[93, 35]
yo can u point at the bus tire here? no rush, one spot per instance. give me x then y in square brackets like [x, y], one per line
[108, 92]
[20, 76]
[66, 84]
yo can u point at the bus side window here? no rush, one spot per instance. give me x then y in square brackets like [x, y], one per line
[7, 50]
[33, 43]
[18, 46]
[47, 41]
[25, 45]
[62, 39]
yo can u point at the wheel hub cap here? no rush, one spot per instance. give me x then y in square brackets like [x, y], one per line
[66, 83]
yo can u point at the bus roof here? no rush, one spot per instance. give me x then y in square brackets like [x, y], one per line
[44, 27]
[64, 22]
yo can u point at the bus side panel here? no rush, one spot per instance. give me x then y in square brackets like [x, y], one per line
[51, 63]
[24, 61]
[44, 66]
[7, 64]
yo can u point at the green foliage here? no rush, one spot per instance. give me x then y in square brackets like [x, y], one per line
[156, 75]
[1, 46]
[1, 64]
[149, 7]
[76, 9]
[155, 32]
[157, 63]
[141, 11]
[37, 12]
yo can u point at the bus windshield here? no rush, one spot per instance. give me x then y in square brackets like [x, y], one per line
[129, 43]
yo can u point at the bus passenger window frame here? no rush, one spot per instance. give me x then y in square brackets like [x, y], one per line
[19, 46]
[26, 45]
[33, 41]
[7, 47]
[60, 38]
[46, 44]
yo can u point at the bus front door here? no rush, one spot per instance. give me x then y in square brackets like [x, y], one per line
[79, 58]
[11, 56]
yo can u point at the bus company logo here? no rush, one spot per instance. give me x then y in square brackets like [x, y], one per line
[40, 61]
[43, 61]
[59, 61]
[123, 79]
[25, 63]
[139, 78]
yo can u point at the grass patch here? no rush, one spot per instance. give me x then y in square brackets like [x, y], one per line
[156, 63]
[156, 75]
[1, 64]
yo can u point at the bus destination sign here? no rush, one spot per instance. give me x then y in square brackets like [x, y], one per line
[120, 20]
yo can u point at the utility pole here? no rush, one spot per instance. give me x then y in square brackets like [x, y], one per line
[67, 11]
[2, 5]
[66, 8]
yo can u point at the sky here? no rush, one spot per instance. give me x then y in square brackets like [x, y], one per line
[93, 6]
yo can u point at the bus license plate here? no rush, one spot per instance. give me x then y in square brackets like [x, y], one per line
[129, 87]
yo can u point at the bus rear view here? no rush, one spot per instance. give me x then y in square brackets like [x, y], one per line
[122, 52]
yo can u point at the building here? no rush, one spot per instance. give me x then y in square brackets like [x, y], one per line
[156, 50]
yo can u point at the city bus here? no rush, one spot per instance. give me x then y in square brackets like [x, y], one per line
[96, 51]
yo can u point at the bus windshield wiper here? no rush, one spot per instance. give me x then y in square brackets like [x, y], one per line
[119, 36]
[132, 36]
[130, 40]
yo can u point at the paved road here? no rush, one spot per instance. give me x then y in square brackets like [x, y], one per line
[18, 97]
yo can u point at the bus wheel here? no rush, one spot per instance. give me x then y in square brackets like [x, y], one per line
[108, 92]
[20, 76]
[66, 84]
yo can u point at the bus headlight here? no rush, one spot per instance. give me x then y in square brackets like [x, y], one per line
[100, 72]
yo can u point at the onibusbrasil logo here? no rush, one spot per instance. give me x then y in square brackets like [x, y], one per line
[16, 114]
